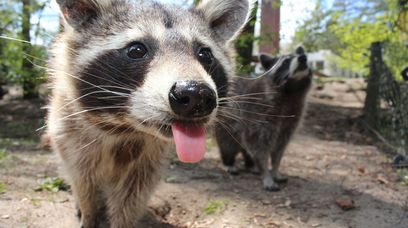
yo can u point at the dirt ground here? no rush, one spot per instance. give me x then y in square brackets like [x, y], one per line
[329, 160]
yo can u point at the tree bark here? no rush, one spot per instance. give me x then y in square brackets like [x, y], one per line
[372, 101]
[29, 86]
[244, 45]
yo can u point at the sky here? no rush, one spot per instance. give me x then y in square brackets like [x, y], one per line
[293, 12]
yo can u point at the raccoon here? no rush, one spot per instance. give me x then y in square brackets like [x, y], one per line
[263, 115]
[129, 78]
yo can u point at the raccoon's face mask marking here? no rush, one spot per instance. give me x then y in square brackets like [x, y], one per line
[152, 68]
[292, 66]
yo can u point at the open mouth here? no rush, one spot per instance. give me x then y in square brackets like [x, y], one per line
[189, 138]
[190, 141]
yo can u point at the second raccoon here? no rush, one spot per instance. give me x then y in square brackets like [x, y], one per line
[262, 115]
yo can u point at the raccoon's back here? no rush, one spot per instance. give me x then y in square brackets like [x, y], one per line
[256, 98]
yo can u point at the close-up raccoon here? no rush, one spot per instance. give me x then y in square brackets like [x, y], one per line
[128, 78]
[264, 113]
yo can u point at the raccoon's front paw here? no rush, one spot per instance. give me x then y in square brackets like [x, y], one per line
[232, 170]
[270, 185]
[253, 170]
[279, 178]
[79, 214]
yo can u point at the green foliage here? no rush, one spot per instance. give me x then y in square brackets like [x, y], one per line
[2, 188]
[3, 153]
[403, 173]
[36, 202]
[244, 46]
[13, 51]
[348, 29]
[213, 207]
[51, 184]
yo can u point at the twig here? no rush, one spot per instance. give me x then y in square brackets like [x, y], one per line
[380, 137]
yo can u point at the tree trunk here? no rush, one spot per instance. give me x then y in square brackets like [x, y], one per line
[244, 45]
[29, 87]
[372, 102]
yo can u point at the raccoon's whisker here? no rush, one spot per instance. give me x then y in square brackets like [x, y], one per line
[105, 71]
[34, 57]
[16, 39]
[90, 110]
[228, 131]
[230, 116]
[88, 144]
[106, 66]
[75, 77]
[118, 87]
[257, 113]
[253, 103]
[147, 119]
[240, 98]
[101, 63]
[239, 118]
[273, 68]
[96, 76]
[252, 94]
[83, 96]
[89, 83]
[110, 97]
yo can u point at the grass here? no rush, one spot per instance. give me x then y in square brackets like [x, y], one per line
[3, 153]
[403, 173]
[210, 143]
[8, 142]
[36, 202]
[214, 206]
[51, 184]
[2, 188]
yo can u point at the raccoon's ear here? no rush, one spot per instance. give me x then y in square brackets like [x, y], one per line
[226, 17]
[300, 50]
[267, 61]
[80, 13]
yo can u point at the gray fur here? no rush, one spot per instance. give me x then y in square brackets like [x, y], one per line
[262, 115]
[109, 115]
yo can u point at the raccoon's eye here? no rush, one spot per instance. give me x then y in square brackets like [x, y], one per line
[136, 51]
[205, 56]
[286, 62]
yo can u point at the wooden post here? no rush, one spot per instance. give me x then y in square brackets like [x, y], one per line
[270, 26]
[372, 101]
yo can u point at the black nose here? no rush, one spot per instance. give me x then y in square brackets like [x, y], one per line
[192, 99]
[302, 59]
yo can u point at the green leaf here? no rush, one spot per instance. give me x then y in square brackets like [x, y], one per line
[51, 184]
[214, 206]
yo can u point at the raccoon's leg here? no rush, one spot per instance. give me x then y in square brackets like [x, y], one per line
[127, 196]
[125, 207]
[229, 149]
[228, 156]
[85, 194]
[261, 160]
[276, 158]
[278, 176]
[249, 162]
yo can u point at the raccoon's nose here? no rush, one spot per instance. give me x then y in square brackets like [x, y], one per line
[302, 59]
[192, 99]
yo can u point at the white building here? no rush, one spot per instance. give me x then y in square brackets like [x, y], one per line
[323, 61]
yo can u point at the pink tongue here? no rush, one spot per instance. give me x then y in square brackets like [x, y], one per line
[190, 142]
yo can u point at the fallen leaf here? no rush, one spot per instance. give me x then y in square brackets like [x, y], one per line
[288, 203]
[361, 169]
[382, 179]
[266, 202]
[345, 204]
[274, 223]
